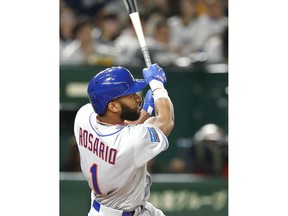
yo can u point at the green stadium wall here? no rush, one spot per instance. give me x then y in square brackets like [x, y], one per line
[181, 196]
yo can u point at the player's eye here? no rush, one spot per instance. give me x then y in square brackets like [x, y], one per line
[131, 95]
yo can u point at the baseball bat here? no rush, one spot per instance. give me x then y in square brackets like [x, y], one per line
[131, 6]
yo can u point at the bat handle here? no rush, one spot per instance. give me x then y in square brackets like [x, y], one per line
[146, 56]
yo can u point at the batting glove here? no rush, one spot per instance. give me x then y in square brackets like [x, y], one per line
[148, 105]
[154, 72]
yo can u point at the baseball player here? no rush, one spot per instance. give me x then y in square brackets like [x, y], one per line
[116, 138]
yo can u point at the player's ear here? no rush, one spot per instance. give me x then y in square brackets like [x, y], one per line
[114, 106]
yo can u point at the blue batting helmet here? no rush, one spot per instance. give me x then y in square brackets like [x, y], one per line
[112, 83]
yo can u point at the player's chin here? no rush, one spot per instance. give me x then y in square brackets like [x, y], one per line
[137, 113]
[130, 114]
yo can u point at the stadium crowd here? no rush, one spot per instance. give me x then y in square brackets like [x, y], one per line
[178, 33]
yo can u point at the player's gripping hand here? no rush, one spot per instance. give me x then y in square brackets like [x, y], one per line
[148, 105]
[154, 72]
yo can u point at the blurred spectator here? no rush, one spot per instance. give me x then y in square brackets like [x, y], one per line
[158, 43]
[128, 45]
[87, 7]
[184, 28]
[159, 46]
[212, 26]
[114, 7]
[153, 166]
[72, 159]
[225, 153]
[62, 5]
[206, 150]
[155, 16]
[205, 154]
[109, 28]
[67, 24]
[177, 165]
[225, 6]
[214, 21]
[83, 50]
[225, 42]
[216, 48]
[201, 8]
[166, 7]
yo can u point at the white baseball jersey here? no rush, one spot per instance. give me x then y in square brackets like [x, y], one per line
[113, 158]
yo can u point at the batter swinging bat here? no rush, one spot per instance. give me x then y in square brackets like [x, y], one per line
[132, 8]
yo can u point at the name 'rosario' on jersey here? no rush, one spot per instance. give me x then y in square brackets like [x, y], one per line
[97, 147]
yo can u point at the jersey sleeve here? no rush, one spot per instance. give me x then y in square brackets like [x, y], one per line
[150, 141]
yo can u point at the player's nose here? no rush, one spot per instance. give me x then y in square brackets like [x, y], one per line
[137, 97]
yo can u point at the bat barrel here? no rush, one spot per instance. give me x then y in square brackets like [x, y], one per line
[131, 6]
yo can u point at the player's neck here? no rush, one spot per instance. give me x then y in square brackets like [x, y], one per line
[105, 120]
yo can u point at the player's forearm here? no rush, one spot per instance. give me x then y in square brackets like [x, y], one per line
[163, 106]
[164, 118]
[165, 112]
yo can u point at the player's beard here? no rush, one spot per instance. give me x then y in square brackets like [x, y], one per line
[128, 113]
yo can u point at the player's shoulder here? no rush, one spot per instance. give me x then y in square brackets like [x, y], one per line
[86, 109]
[146, 133]
[133, 127]
[142, 129]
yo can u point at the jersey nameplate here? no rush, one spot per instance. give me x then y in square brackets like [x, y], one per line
[97, 147]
